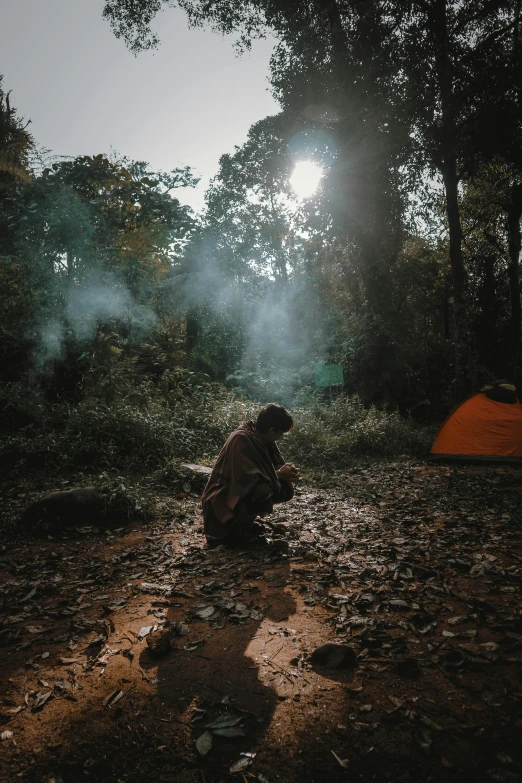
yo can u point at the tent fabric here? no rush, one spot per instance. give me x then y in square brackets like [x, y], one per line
[481, 428]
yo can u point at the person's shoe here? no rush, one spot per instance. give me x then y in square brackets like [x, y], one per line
[247, 542]
[212, 543]
[257, 529]
[256, 541]
[263, 543]
[280, 545]
[239, 542]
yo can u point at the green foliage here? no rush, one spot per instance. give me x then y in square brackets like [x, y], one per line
[334, 435]
[400, 91]
[15, 146]
[92, 241]
[122, 499]
[272, 378]
[21, 408]
[116, 215]
[398, 288]
[142, 430]
[150, 431]
[131, 20]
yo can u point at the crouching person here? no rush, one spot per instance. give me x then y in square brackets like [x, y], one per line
[249, 477]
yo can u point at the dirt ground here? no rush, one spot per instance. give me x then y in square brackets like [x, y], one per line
[416, 568]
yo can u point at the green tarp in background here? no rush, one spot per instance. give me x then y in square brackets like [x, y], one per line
[329, 375]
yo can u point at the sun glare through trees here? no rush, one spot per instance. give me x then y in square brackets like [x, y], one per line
[305, 178]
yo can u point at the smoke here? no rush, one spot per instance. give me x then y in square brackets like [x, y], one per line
[97, 301]
[285, 341]
[273, 331]
[51, 346]
[86, 306]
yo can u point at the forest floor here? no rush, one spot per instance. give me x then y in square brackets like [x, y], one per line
[416, 567]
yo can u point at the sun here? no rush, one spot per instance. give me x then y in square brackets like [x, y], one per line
[305, 178]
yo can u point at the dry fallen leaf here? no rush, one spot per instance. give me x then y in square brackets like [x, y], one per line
[40, 699]
[15, 710]
[242, 763]
[112, 697]
[204, 743]
[342, 762]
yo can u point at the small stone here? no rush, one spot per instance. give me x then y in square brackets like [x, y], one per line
[159, 642]
[334, 656]
[196, 475]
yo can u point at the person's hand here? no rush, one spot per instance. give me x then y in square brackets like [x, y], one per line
[288, 472]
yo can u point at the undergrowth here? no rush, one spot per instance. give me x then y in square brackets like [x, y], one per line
[149, 429]
[335, 435]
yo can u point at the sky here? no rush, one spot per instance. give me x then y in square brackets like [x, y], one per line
[186, 103]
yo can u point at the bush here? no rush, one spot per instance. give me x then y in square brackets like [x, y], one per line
[123, 501]
[148, 429]
[142, 431]
[337, 433]
[20, 407]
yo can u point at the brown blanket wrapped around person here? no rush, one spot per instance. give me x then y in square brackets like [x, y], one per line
[243, 483]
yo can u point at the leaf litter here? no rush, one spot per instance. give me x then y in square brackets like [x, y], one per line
[414, 568]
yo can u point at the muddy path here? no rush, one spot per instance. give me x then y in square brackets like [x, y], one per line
[416, 568]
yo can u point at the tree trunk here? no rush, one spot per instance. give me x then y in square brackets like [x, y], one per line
[458, 272]
[487, 300]
[438, 29]
[513, 219]
[517, 54]
[514, 244]
[337, 36]
[191, 331]
[69, 280]
[362, 187]
[280, 267]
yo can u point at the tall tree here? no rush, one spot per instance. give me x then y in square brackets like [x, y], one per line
[418, 60]
[16, 145]
[497, 163]
[93, 239]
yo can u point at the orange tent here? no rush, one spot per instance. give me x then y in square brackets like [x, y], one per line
[487, 425]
